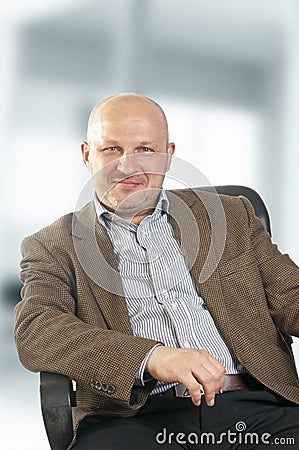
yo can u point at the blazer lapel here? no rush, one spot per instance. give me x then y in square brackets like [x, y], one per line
[204, 264]
[95, 253]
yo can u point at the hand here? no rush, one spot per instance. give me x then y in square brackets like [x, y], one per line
[189, 366]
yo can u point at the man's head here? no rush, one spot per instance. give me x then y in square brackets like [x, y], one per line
[128, 153]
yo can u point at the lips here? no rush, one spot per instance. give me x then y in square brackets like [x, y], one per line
[129, 182]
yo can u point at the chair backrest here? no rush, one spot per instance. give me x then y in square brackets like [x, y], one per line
[254, 198]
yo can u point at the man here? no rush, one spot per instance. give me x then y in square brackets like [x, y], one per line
[110, 300]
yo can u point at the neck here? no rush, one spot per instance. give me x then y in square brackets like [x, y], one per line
[136, 219]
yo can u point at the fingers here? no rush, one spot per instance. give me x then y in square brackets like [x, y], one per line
[211, 384]
[194, 368]
[209, 378]
[194, 388]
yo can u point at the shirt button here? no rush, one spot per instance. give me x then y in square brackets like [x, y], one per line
[164, 292]
[144, 233]
[174, 306]
[187, 344]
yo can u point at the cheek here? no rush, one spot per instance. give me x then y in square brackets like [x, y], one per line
[100, 167]
[155, 179]
[156, 164]
[104, 174]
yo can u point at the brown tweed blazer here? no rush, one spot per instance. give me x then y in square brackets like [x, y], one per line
[68, 321]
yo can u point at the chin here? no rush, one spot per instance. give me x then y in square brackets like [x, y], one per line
[134, 205]
[131, 203]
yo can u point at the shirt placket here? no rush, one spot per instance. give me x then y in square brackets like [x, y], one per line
[164, 283]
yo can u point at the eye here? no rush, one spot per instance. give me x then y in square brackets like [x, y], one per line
[111, 149]
[146, 150]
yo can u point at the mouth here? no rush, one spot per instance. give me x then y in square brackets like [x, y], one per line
[128, 182]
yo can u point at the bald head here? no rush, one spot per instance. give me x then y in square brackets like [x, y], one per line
[126, 103]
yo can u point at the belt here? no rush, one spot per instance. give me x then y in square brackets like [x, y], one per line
[231, 383]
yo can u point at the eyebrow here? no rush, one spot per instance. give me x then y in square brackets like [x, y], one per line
[145, 144]
[107, 143]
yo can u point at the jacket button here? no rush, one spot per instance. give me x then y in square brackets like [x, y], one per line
[111, 389]
[96, 385]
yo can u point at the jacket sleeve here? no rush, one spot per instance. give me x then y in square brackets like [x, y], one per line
[50, 337]
[280, 276]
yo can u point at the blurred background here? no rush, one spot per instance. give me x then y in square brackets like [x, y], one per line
[227, 75]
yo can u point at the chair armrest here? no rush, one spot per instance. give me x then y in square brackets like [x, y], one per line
[57, 399]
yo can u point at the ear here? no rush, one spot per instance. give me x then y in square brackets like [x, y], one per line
[85, 152]
[170, 152]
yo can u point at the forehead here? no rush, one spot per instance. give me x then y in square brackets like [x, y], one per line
[128, 118]
[135, 109]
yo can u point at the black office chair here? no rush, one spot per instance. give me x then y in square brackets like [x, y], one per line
[57, 392]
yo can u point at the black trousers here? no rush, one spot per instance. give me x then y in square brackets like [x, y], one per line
[243, 419]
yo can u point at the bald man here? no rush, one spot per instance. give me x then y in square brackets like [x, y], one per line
[110, 301]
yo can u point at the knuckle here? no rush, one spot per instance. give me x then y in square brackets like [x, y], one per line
[208, 378]
[201, 351]
[209, 386]
[223, 371]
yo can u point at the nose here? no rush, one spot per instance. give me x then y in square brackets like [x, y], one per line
[128, 164]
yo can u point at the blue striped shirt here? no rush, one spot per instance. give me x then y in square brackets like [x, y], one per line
[161, 297]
